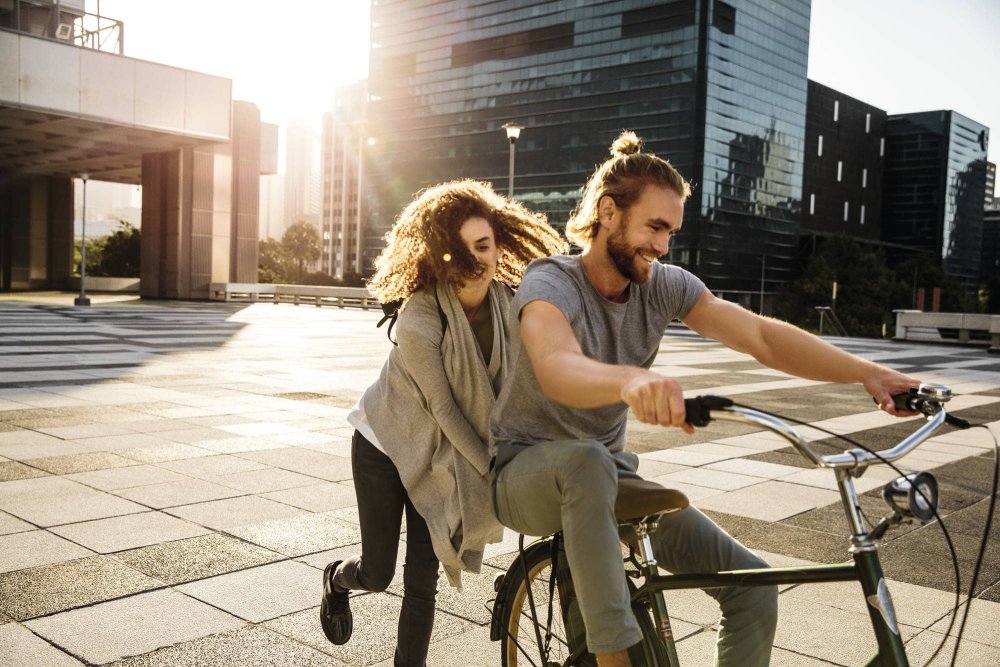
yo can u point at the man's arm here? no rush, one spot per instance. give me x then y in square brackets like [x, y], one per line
[789, 349]
[569, 377]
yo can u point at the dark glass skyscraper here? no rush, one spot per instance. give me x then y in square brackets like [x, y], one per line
[717, 88]
[935, 183]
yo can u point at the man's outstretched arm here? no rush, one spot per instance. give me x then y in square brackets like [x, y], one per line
[569, 377]
[787, 348]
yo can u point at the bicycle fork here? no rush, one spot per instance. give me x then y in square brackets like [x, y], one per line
[647, 566]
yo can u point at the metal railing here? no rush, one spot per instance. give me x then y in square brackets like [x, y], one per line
[64, 21]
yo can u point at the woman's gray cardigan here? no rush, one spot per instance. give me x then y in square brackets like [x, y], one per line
[430, 412]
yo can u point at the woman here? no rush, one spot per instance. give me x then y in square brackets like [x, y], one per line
[421, 429]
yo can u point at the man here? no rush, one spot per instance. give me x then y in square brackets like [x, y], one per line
[589, 329]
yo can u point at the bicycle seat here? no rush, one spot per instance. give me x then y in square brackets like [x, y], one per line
[640, 498]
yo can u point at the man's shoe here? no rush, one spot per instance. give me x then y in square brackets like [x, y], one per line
[335, 609]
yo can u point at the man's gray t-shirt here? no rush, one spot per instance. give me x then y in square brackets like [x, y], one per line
[626, 333]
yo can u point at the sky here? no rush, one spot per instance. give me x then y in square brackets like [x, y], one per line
[287, 57]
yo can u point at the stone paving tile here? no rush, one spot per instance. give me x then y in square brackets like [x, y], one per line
[317, 497]
[196, 558]
[470, 602]
[261, 593]
[471, 648]
[192, 435]
[305, 461]
[971, 654]
[133, 625]
[18, 646]
[981, 625]
[770, 501]
[163, 452]
[230, 513]
[85, 430]
[250, 646]
[113, 479]
[299, 535]
[51, 501]
[12, 470]
[212, 466]
[374, 638]
[182, 492]
[799, 542]
[128, 532]
[712, 479]
[11, 524]
[36, 547]
[264, 480]
[48, 589]
[63, 465]
[236, 445]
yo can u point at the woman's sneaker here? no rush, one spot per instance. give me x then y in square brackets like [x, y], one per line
[335, 609]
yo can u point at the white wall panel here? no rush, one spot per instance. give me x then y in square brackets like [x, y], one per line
[159, 96]
[208, 105]
[9, 68]
[107, 86]
[50, 75]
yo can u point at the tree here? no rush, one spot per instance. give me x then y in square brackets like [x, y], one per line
[302, 246]
[272, 262]
[116, 255]
[867, 289]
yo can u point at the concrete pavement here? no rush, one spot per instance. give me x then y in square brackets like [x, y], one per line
[174, 476]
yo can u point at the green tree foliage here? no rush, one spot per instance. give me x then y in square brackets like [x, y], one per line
[272, 262]
[927, 273]
[867, 289]
[302, 246]
[115, 255]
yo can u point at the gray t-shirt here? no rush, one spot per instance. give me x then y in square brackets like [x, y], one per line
[616, 333]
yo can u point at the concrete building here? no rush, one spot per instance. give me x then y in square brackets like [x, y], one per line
[989, 265]
[68, 109]
[341, 223]
[991, 182]
[301, 183]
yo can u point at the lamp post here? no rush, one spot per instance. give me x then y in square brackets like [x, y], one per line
[513, 132]
[82, 300]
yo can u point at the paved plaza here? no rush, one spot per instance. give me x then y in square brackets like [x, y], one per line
[174, 476]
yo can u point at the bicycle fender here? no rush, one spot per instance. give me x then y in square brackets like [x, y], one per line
[505, 589]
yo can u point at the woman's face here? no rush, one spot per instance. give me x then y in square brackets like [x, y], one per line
[477, 235]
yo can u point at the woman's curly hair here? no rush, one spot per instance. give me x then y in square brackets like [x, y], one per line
[424, 245]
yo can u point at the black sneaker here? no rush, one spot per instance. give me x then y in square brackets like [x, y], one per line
[335, 609]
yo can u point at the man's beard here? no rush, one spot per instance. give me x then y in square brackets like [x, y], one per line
[624, 256]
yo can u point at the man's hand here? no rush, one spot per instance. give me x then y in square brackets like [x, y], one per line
[884, 383]
[655, 399]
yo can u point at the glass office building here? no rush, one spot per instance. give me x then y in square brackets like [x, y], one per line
[934, 188]
[718, 88]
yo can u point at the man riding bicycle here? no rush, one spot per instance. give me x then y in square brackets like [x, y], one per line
[589, 329]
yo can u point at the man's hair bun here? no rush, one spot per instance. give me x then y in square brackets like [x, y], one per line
[627, 143]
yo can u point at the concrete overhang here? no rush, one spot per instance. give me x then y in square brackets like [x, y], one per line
[65, 110]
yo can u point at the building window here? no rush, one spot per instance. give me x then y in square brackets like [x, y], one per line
[847, 208]
[819, 146]
[881, 147]
[836, 110]
[864, 178]
[862, 214]
[658, 19]
[868, 123]
[840, 170]
[812, 204]
[724, 17]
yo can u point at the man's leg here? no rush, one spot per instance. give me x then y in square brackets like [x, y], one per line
[571, 485]
[688, 541]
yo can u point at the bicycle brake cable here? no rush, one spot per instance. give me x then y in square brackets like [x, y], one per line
[944, 530]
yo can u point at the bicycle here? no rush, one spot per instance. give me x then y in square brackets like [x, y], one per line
[542, 620]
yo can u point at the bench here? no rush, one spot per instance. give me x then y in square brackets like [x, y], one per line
[948, 327]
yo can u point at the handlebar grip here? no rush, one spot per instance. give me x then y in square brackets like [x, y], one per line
[907, 401]
[698, 410]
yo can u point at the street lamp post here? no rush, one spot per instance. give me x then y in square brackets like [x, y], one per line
[513, 132]
[82, 300]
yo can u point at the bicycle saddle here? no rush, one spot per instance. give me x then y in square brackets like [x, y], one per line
[640, 498]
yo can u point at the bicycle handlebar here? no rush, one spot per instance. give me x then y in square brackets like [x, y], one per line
[928, 400]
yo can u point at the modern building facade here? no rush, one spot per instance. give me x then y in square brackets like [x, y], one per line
[301, 189]
[717, 88]
[989, 267]
[991, 182]
[345, 250]
[845, 151]
[934, 188]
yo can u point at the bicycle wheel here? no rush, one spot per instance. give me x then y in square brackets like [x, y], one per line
[542, 637]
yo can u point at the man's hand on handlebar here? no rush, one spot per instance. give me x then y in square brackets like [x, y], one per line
[885, 383]
[655, 399]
